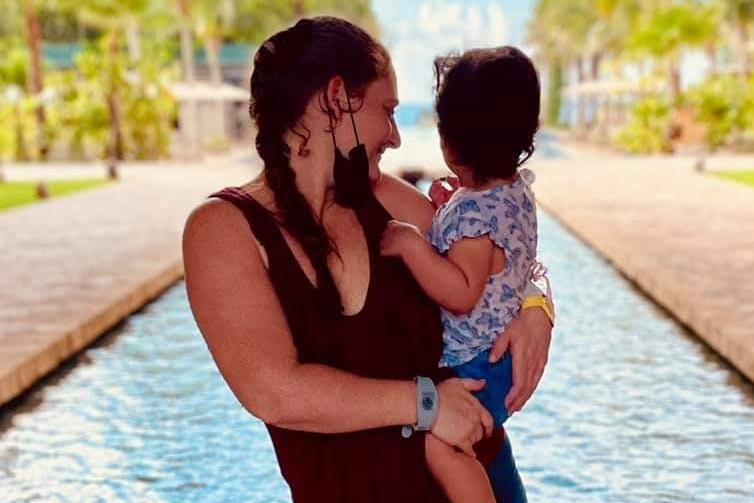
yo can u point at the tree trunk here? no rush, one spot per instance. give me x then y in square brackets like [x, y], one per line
[298, 8]
[710, 49]
[743, 38]
[594, 101]
[115, 147]
[212, 46]
[133, 40]
[581, 99]
[35, 81]
[21, 154]
[187, 45]
[674, 76]
[554, 95]
[596, 65]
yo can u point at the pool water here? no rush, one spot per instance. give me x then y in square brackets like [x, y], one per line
[631, 408]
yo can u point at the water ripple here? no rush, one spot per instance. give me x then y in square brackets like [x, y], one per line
[631, 408]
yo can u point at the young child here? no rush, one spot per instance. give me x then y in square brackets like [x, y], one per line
[483, 240]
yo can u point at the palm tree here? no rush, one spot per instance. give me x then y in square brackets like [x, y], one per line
[559, 29]
[739, 14]
[114, 17]
[672, 29]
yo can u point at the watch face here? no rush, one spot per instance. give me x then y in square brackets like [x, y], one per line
[427, 403]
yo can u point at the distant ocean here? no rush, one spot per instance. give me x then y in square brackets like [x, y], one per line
[414, 115]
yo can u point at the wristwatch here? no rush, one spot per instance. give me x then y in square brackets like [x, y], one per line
[427, 404]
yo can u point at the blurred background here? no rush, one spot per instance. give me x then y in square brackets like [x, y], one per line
[117, 117]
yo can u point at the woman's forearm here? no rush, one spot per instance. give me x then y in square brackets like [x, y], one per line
[322, 399]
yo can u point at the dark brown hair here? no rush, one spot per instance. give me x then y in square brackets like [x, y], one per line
[487, 108]
[289, 69]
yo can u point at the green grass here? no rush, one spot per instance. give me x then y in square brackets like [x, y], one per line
[19, 193]
[745, 177]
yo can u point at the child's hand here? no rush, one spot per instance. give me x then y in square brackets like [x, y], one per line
[441, 190]
[398, 237]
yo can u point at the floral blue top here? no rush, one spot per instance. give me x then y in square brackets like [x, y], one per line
[507, 213]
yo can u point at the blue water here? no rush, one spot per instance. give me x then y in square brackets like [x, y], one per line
[412, 114]
[631, 408]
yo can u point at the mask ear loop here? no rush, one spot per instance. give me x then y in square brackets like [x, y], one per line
[332, 128]
[350, 111]
[353, 121]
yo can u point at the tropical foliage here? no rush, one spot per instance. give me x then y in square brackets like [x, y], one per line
[646, 41]
[114, 102]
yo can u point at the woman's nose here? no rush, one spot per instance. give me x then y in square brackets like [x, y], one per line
[394, 139]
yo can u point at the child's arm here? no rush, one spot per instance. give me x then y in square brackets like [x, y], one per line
[455, 282]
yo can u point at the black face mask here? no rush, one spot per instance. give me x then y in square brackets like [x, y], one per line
[351, 175]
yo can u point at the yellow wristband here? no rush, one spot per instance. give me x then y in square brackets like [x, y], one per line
[541, 302]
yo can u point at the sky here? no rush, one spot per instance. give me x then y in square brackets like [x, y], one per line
[416, 31]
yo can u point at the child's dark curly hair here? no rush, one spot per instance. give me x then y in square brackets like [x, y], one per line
[487, 109]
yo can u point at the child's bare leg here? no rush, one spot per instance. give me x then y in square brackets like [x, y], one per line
[462, 477]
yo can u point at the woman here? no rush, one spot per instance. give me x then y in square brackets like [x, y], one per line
[315, 333]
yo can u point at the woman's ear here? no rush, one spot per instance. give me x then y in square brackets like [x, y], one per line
[335, 97]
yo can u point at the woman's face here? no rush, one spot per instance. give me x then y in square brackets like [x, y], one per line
[375, 122]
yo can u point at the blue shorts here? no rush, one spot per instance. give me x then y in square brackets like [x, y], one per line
[499, 378]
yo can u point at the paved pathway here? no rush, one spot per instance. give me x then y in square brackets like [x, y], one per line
[72, 267]
[684, 238]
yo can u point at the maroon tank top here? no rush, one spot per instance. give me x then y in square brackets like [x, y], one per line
[397, 335]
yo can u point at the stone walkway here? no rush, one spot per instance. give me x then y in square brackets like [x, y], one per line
[72, 267]
[684, 238]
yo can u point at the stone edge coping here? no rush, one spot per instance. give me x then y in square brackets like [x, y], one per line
[38, 363]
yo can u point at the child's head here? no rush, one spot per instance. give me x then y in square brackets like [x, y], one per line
[487, 109]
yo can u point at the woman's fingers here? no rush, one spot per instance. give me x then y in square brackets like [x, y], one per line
[462, 420]
[486, 419]
[514, 395]
[499, 347]
[529, 345]
[533, 377]
[473, 384]
[468, 447]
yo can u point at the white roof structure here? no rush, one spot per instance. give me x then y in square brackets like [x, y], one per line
[598, 87]
[205, 91]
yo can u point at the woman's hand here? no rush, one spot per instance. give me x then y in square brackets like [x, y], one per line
[527, 337]
[461, 420]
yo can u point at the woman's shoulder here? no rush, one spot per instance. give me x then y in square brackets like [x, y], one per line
[214, 216]
[220, 222]
[223, 210]
[404, 201]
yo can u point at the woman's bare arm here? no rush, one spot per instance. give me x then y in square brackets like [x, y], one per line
[243, 324]
[240, 317]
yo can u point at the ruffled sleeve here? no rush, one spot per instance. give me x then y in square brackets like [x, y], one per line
[464, 219]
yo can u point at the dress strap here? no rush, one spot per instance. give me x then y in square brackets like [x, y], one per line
[260, 219]
[373, 218]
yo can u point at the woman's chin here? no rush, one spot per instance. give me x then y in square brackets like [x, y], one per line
[374, 172]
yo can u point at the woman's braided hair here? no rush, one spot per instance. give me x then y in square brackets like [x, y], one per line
[289, 69]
